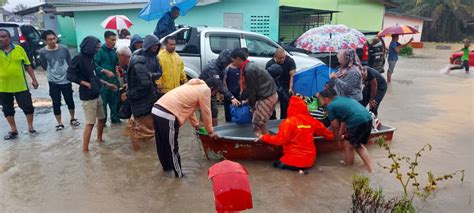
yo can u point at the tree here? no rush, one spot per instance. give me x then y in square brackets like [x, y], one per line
[449, 18]
[19, 7]
[3, 2]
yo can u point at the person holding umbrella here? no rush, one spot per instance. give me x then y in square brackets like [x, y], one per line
[166, 25]
[393, 51]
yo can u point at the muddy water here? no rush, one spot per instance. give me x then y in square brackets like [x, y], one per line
[49, 173]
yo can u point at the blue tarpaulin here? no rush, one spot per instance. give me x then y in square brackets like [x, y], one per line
[155, 9]
[310, 81]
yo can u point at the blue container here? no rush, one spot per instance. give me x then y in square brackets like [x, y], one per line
[241, 114]
[310, 81]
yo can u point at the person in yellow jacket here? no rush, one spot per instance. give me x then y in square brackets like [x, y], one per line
[172, 66]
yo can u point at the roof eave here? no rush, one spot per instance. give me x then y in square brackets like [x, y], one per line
[408, 16]
[98, 7]
[390, 4]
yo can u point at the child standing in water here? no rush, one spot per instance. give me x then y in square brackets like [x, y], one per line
[464, 59]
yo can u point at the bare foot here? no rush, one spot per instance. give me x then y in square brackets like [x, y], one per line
[85, 150]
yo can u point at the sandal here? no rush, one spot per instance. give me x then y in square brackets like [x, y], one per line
[59, 127]
[10, 136]
[33, 131]
[74, 123]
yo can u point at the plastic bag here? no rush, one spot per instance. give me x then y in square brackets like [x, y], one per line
[241, 114]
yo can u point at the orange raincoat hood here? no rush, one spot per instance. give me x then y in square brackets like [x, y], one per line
[296, 134]
[297, 107]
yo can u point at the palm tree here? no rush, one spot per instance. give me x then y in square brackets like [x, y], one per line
[450, 18]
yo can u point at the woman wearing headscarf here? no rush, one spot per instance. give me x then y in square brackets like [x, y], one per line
[348, 80]
[143, 70]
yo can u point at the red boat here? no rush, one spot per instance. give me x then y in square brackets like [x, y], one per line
[237, 142]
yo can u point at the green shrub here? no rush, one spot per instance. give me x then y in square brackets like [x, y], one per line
[366, 199]
[406, 51]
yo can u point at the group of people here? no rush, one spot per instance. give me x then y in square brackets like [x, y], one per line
[146, 84]
[152, 82]
[344, 100]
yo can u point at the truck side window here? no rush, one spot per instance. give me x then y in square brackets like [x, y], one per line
[259, 47]
[222, 42]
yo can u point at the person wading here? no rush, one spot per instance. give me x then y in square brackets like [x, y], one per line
[359, 125]
[81, 71]
[261, 94]
[142, 92]
[393, 52]
[173, 67]
[171, 112]
[288, 67]
[216, 69]
[56, 59]
[13, 84]
[106, 60]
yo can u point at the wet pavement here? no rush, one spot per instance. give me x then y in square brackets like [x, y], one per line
[49, 173]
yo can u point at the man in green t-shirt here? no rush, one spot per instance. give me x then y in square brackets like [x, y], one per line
[342, 112]
[106, 60]
[13, 84]
[464, 58]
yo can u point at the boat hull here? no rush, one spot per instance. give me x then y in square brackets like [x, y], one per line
[237, 142]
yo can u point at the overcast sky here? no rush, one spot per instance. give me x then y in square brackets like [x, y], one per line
[30, 3]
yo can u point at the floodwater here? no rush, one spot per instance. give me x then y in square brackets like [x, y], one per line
[49, 173]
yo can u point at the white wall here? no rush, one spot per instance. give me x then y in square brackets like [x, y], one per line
[392, 20]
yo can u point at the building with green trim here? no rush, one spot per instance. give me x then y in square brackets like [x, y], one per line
[281, 20]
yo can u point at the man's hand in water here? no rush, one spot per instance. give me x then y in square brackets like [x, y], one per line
[213, 135]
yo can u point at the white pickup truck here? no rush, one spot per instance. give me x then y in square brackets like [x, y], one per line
[198, 45]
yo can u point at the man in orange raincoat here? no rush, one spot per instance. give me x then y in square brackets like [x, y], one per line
[295, 134]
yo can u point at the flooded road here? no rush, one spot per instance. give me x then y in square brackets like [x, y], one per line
[49, 173]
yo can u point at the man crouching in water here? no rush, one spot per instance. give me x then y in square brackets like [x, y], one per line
[172, 110]
[295, 134]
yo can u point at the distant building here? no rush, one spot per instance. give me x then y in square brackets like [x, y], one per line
[393, 19]
[4, 14]
[280, 20]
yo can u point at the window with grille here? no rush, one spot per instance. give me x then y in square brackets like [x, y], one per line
[296, 21]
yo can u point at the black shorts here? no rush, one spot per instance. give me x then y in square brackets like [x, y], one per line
[464, 65]
[23, 99]
[360, 134]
